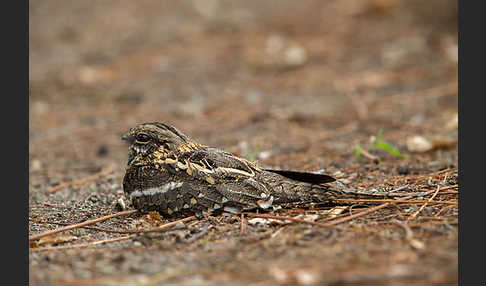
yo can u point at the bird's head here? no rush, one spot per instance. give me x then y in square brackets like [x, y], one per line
[146, 138]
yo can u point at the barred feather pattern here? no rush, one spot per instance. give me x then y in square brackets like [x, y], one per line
[170, 173]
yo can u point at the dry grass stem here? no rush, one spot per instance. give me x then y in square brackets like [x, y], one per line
[353, 216]
[163, 227]
[78, 225]
[243, 224]
[369, 155]
[395, 201]
[425, 204]
[83, 244]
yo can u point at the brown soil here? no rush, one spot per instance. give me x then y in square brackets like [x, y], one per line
[290, 84]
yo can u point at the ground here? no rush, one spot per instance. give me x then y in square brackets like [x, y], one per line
[301, 85]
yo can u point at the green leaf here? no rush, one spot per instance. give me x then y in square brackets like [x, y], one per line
[357, 152]
[389, 148]
[378, 143]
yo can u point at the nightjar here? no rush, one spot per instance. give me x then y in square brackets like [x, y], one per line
[176, 176]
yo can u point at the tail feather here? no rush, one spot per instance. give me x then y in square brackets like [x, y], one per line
[305, 177]
[290, 187]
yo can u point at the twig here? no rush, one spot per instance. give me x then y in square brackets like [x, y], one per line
[81, 181]
[77, 225]
[94, 228]
[370, 156]
[327, 224]
[408, 230]
[277, 232]
[162, 227]
[399, 189]
[243, 224]
[198, 235]
[447, 188]
[394, 201]
[442, 210]
[445, 171]
[415, 243]
[425, 204]
[397, 179]
[83, 244]
[359, 214]
[371, 210]
[133, 232]
[155, 229]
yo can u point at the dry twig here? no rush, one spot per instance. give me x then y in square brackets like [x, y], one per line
[425, 204]
[442, 210]
[359, 214]
[77, 225]
[133, 232]
[162, 227]
[243, 224]
[83, 244]
[395, 201]
[417, 244]
[328, 224]
[370, 156]
[155, 229]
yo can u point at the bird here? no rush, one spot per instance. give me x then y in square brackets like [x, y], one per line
[172, 174]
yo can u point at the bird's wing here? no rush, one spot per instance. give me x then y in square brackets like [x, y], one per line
[232, 177]
[219, 163]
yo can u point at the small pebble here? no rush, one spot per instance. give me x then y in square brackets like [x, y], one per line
[418, 144]
[295, 56]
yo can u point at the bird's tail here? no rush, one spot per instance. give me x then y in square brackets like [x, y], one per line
[301, 187]
[323, 194]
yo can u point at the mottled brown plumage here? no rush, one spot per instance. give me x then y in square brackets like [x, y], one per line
[170, 173]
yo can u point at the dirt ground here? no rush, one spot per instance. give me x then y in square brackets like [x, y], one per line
[299, 85]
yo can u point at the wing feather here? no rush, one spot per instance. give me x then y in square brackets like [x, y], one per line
[231, 176]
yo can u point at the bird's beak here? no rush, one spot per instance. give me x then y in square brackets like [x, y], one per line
[125, 137]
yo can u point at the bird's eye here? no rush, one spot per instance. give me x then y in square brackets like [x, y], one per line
[142, 137]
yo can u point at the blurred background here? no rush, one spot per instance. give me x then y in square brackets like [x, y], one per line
[276, 76]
